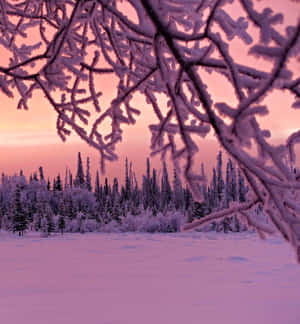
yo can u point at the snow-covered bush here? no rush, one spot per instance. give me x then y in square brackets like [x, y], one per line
[72, 226]
[147, 222]
[111, 227]
[44, 227]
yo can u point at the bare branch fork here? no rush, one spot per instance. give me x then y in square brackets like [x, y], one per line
[155, 48]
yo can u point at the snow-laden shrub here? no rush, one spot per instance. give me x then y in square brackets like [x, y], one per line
[80, 224]
[91, 225]
[171, 221]
[44, 227]
[72, 226]
[112, 227]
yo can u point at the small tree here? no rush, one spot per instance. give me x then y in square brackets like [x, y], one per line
[57, 184]
[61, 224]
[44, 227]
[19, 221]
[178, 194]
[220, 180]
[41, 171]
[88, 180]
[79, 180]
[82, 220]
[166, 191]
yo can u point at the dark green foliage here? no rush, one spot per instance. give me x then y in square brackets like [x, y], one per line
[188, 198]
[41, 171]
[220, 181]
[49, 217]
[200, 210]
[98, 189]
[127, 190]
[243, 189]
[61, 224]
[166, 191]
[35, 177]
[88, 175]
[57, 184]
[178, 195]
[48, 185]
[19, 221]
[79, 180]
[214, 190]
[154, 193]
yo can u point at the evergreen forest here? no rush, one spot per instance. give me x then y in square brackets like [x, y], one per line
[79, 204]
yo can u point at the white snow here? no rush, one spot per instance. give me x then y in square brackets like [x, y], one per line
[183, 278]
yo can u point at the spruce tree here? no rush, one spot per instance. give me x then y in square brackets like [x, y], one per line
[234, 191]
[144, 193]
[242, 187]
[116, 210]
[135, 199]
[166, 191]
[147, 186]
[79, 180]
[66, 182]
[58, 184]
[35, 177]
[220, 180]
[154, 193]
[41, 171]
[61, 224]
[49, 218]
[37, 217]
[204, 187]
[54, 184]
[97, 191]
[48, 185]
[106, 187]
[178, 197]
[44, 226]
[214, 190]
[188, 198]
[19, 221]
[115, 189]
[70, 179]
[148, 169]
[127, 181]
[199, 210]
[88, 175]
[68, 208]
[228, 185]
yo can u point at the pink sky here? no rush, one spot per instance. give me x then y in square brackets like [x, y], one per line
[28, 138]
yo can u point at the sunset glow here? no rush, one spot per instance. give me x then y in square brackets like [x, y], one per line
[24, 133]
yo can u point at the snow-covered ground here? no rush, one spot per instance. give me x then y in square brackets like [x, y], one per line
[184, 278]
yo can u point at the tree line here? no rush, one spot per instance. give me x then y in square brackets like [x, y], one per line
[76, 205]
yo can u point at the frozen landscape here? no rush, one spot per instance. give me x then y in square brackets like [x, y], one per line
[190, 76]
[122, 278]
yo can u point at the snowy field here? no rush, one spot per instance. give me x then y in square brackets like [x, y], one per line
[185, 278]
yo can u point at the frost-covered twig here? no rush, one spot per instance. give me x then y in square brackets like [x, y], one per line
[219, 215]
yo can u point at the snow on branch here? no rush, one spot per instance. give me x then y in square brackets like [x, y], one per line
[164, 48]
[219, 215]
